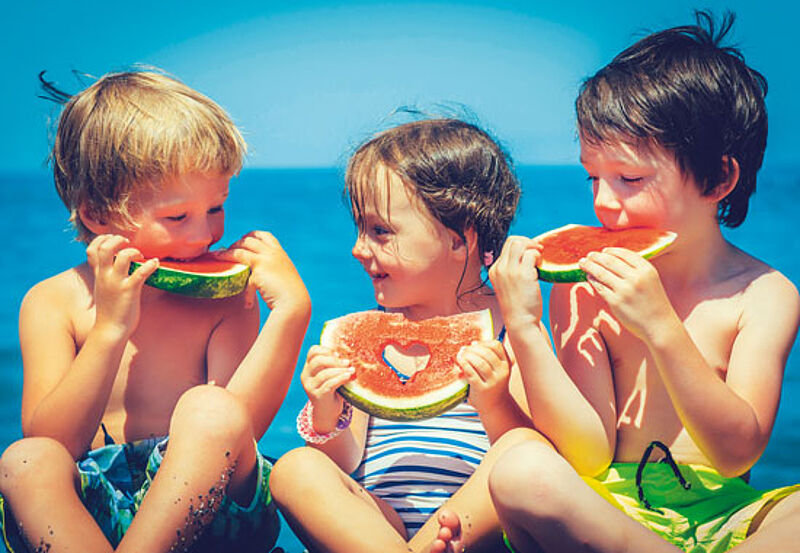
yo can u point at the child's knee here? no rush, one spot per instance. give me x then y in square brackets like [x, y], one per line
[213, 413]
[528, 473]
[296, 470]
[34, 461]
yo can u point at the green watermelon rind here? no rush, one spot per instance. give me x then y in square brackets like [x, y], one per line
[199, 285]
[388, 408]
[406, 409]
[555, 273]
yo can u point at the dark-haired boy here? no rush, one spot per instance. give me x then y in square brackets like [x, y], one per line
[680, 359]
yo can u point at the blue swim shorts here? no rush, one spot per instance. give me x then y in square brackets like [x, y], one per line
[115, 478]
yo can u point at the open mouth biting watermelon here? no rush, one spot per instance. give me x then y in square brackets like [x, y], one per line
[563, 248]
[202, 277]
[382, 390]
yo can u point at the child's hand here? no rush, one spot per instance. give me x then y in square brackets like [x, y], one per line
[631, 287]
[117, 294]
[486, 367]
[322, 375]
[516, 281]
[273, 274]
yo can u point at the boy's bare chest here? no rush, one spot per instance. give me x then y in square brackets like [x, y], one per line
[165, 356]
[645, 410]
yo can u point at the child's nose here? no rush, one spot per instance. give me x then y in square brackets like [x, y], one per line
[360, 250]
[604, 197]
[201, 233]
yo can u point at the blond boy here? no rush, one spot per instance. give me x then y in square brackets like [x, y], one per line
[113, 367]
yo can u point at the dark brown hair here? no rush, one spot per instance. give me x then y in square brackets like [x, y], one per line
[682, 90]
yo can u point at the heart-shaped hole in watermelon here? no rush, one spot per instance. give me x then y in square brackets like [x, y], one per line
[406, 361]
[362, 338]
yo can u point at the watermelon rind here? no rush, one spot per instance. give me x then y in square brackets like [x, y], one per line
[570, 272]
[423, 406]
[406, 409]
[222, 284]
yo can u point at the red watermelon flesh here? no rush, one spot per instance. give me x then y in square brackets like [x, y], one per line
[377, 388]
[206, 263]
[564, 247]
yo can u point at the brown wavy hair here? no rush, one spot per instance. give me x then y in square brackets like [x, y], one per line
[462, 175]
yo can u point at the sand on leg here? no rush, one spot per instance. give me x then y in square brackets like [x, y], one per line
[211, 452]
[40, 480]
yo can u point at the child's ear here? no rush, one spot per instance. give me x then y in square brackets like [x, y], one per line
[91, 221]
[469, 241]
[730, 177]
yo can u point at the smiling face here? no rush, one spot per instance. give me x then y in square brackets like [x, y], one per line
[642, 187]
[414, 261]
[178, 219]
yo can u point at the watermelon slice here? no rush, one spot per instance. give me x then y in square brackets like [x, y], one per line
[563, 247]
[202, 277]
[383, 391]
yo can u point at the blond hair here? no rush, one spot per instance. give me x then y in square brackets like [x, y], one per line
[134, 129]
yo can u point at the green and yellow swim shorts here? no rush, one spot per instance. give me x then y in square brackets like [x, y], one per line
[691, 506]
[712, 515]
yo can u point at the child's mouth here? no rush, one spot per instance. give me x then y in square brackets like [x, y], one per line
[182, 259]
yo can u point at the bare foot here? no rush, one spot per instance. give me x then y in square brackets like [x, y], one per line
[449, 538]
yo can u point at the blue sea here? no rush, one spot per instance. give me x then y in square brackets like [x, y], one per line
[304, 209]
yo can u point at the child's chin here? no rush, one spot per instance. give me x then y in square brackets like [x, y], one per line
[385, 300]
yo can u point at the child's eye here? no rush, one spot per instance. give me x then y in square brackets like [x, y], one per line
[592, 178]
[176, 217]
[379, 230]
[630, 180]
[215, 209]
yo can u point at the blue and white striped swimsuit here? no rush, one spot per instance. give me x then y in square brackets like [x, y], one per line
[415, 466]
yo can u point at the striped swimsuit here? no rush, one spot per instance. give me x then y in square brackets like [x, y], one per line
[415, 466]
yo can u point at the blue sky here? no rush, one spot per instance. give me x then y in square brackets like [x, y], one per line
[306, 81]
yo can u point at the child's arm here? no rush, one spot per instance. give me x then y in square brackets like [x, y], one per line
[65, 392]
[730, 419]
[322, 375]
[487, 369]
[262, 378]
[571, 404]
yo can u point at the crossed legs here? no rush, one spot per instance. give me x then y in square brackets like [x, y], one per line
[211, 452]
[330, 512]
[468, 520]
[544, 505]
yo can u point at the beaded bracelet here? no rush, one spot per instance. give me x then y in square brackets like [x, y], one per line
[305, 424]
